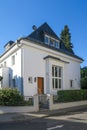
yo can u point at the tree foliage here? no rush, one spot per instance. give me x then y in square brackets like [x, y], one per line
[84, 78]
[65, 36]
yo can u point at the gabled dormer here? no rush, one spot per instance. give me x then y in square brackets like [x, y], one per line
[51, 41]
[46, 35]
[8, 45]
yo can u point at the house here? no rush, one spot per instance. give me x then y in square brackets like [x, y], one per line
[39, 64]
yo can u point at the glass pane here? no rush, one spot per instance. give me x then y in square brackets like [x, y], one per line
[46, 40]
[59, 71]
[59, 83]
[55, 71]
[53, 83]
[56, 44]
[56, 83]
[51, 42]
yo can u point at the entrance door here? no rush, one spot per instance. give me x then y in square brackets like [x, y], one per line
[40, 85]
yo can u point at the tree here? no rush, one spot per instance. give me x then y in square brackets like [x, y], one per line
[66, 38]
[84, 78]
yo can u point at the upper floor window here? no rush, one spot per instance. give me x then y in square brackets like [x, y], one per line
[46, 40]
[13, 60]
[51, 41]
[1, 65]
[5, 64]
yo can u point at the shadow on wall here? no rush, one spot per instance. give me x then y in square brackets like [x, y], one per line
[18, 83]
[15, 81]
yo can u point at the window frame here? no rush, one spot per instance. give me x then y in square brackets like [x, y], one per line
[13, 60]
[71, 83]
[56, 78]
[51, 41]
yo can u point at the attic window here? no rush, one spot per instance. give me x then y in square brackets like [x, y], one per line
[51, 41]
[46, 40]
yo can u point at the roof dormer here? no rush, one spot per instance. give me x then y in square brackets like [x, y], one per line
[51, 41]
[8, 45]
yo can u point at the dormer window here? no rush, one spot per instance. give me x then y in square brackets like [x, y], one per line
[51, 41]
[46, 39]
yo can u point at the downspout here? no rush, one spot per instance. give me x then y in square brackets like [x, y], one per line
[19, 44]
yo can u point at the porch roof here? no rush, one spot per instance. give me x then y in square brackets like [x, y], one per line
[55, 58]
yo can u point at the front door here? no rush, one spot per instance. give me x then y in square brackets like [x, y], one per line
[40, 85]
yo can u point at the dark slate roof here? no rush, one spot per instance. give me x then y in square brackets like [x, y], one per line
[37, 36]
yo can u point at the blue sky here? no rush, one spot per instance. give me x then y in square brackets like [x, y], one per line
[18, 16]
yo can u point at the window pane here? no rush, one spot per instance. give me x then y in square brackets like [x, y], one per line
[56, 44]
[53, 82]
[59, 71]
[46, 40]
[53, 71]
[56, 83]
[51, 42]
[59, 83]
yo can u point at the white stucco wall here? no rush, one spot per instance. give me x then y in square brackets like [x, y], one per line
[36, 66]
[30, 62]
[14, 70]
[4, 72]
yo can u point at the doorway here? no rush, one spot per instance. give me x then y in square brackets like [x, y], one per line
[40, 85]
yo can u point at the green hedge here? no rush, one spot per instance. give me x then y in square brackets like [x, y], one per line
[71, 95]
[12, 97]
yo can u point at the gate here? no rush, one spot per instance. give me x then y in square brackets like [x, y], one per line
[43, 101]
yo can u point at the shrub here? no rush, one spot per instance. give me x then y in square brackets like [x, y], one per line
[12, 97]
[71, 95]
[84, 82]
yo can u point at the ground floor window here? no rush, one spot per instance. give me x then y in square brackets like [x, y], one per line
[71, 83]
[56, 77]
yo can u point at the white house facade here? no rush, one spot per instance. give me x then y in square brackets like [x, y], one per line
[39, 64]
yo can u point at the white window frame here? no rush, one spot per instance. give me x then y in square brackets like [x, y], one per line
[55, 44]
[57, 77]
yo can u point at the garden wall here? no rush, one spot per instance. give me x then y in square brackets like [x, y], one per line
[15, 109]
[55, 106]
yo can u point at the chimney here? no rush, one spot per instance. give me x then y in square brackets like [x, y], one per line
[34, 27]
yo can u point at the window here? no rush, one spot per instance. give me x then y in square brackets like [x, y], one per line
[30, 80]
[71, 83]
[5, 64]
[46, 40]
[56, 44]
[13, 60]
[56, 77]
[51, 41]
[1, 65]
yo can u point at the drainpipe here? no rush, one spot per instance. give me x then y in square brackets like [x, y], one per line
[19, 44]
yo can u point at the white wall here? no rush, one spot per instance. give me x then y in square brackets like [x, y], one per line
[35, 66]
[15, 70]
[30, 62]
[4, 72]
